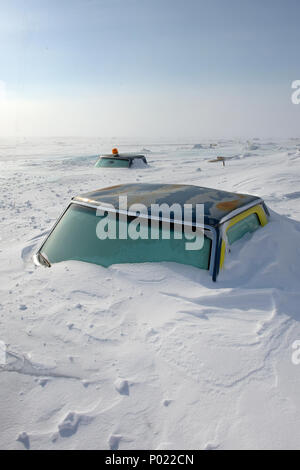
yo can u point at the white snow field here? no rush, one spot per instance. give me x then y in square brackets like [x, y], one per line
[149, 356]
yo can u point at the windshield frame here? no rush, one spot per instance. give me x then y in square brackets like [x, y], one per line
[209, 231]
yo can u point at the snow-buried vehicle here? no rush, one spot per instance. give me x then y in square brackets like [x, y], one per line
[137, 223]
[120, 160]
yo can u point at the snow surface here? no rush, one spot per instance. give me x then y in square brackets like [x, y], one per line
[149, 356]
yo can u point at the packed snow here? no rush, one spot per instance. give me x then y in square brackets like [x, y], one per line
[149, 356]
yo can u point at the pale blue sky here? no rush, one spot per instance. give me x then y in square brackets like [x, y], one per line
[84, 56]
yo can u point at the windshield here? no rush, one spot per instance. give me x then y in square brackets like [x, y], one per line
[75, 238]
[112, 163]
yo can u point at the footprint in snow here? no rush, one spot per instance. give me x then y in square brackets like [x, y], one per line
[167, 402]
[24, 439]
[70, 424]
[114, 441]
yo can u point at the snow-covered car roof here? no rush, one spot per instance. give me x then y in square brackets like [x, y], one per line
[218, 205]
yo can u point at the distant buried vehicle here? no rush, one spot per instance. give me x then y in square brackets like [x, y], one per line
[138, 223]
[119, 160]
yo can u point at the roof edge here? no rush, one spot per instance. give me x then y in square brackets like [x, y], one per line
[95, 205]
[240, 209]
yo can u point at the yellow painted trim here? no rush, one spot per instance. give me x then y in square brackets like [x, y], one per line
[263, 219]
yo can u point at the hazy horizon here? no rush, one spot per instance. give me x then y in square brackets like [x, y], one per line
[164, 69]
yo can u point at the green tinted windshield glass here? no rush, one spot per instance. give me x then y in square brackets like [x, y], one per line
[238, 230]
[75, 238]
[112, 163]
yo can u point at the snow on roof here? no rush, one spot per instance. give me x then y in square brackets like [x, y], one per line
[217, 203]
